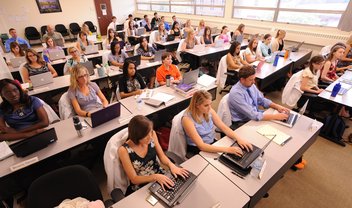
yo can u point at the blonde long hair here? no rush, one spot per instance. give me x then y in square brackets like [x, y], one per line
[78, 70]
[198, 98]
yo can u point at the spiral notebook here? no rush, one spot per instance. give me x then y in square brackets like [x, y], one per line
[269, 132]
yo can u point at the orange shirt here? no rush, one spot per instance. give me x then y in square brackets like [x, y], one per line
[173, 71]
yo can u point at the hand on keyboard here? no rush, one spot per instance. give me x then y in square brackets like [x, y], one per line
[179, 171]
[236, 151]
[164, 181]
[281, 116]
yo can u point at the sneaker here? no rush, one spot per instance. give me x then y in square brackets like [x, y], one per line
[299, 166]
[304, 162]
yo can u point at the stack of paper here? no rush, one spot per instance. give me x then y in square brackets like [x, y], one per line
[270, 132]
[206, 80]
[5, 150]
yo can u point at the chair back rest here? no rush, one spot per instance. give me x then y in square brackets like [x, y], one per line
[31, 32]
[52, 116]
[292, 91]
[74, 28]
[65, 107]
[43, 29]
[116, 176]
[152, 37]
[50, 189]
[224, 110]
[325, 51]
[60, 28]
[220, 74]
[178, 51]
[177, 142]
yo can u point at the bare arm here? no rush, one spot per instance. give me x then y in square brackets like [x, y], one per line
[77, 108]
[52, 70]
[325, 71]
[128, 94]
[102, 98]
[231, 65]
[305, 88]
[25, 75]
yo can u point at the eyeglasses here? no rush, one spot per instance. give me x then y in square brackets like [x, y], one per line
[82, 76]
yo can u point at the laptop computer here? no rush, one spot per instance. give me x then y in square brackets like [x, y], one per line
[170, 37]
[56, 55]
[140, 31]
[292, 117]
[104, 115]
[41, 79]
[240, 164]
[136, 59]
[32, 144]
[177, 193]
[191, 77]
[219, 43]
[91, 49]
[89, 66]
[296, 48]
[17, 61]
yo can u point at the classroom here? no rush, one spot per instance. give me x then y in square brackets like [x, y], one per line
[187, 103]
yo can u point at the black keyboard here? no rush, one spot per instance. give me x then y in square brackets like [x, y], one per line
[170, 196]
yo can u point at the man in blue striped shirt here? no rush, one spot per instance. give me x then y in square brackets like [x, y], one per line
[14, 38]
[245, 100]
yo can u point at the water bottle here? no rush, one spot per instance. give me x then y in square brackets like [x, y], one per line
[101, 71]
[287, 53]
[139, 102]
[118, 97]
[46, 58]
[336, 89]
[78, 125]
[276, 60]
[168, 77]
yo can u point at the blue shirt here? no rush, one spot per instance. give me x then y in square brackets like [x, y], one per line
[24, 117]
[167, 26]
[244, 104]
[19, 41]
[205, 130]
[265, 49]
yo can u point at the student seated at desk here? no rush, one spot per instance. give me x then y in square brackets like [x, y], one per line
[21, 115]
[311, 74]
[188, 27]
[346, 60]
[245, 99]
[330, 69]
[85, 96]
[206, 38]
[117, 56]
[35, 65]
[176, 31]
[14, 38]
[278, 43]
[131, 83]
[148, 27]
[112, 25]
[85, 29]
[234, 60]
[147, 52]
[238, 34]
[83, 42]
[223, 34]
[167, 68]
[250, 53]
[16, 51]
[155, 20]
[50, 46]
[190, 41]
[55, 36]
[110, 38]
[201, 27]
[161, 34]
[138, 157]
[265, 47]
[130, 30]
[198, 123]
[75, 59]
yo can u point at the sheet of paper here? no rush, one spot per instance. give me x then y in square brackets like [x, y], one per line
[269, 132]
[5, 150]
[163, 97]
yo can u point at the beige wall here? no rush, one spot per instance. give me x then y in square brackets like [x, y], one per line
[22, 13]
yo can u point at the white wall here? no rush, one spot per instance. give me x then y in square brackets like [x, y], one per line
[22, 13]
[122, 8]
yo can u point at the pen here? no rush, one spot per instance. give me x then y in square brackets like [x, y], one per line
[237, 174]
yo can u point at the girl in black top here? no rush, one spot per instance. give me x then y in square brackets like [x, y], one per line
[206, 38]
[175, 30]
[131, 83]
[138, 156]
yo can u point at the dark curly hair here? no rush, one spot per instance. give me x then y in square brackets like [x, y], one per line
[5, 106]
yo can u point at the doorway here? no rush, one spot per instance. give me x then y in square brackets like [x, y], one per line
[104, 14]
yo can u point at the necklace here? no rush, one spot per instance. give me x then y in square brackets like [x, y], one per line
[20, 112]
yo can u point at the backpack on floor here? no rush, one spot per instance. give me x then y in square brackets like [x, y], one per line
[333, 128]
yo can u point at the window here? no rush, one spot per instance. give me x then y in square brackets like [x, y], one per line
[198, 7]
[319, 12]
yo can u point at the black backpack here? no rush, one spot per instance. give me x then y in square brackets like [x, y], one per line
[333, 129]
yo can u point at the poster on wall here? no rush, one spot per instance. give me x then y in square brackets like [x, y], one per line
[48, 6]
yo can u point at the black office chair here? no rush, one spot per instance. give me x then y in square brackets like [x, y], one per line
[43, 30]
[31, 33]
[74, 29]
[4, 37]
[69, 182]
[62, 29]
[92, 27]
